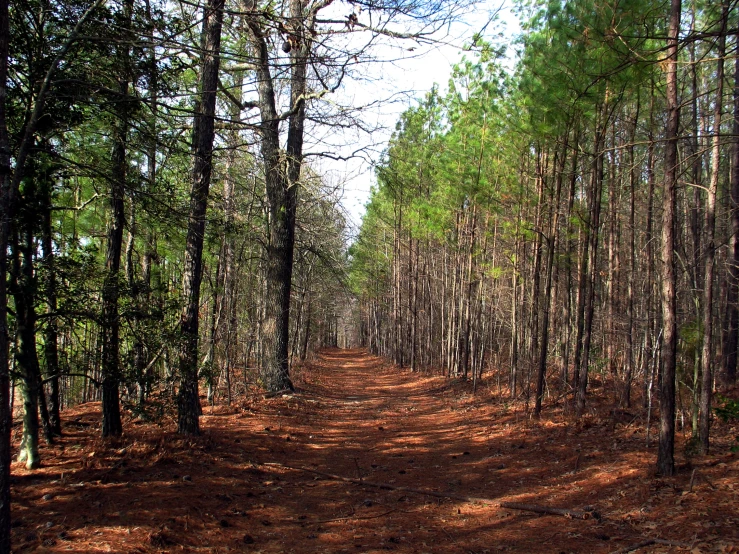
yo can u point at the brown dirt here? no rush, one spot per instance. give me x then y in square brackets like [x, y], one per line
[233, 489]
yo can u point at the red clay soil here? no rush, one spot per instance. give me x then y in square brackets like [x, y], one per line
[250, 482]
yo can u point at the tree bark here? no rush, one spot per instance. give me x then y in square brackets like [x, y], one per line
[306, 334]
[731, 333]
[51, 337]
[111, 370]
[649, 247]
[710, 252]
[7, 206]
[694, 151]
[590, 276]
[551, 245]
[22, 289]
[203, 135]
[571, 257]
[666, 452]
[515, 318]
[625, 399]
[142, 288]
[112, 425]
[282, 176]
[582, 278]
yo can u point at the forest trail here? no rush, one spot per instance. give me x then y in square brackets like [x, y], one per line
[256, 481]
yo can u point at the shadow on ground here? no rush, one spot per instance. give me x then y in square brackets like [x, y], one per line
[253, 482]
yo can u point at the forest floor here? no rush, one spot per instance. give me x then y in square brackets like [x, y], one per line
[265, 476]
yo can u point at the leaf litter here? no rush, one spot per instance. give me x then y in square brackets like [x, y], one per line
[292, 474]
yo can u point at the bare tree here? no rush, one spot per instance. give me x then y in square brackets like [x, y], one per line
[325, 42]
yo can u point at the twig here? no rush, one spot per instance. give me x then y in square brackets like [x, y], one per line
[693, 478]
[276, 393]
[85, 375]
[649, 542]
[707, 481]
[345, 518]
[547, 510]
[359, 471]
[472, 499]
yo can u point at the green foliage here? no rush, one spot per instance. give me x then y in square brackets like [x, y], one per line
[577, 54]
[728, 410]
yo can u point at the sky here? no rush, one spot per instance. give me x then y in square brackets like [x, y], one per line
[405, 80]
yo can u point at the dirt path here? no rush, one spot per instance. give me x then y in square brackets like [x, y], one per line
[238, 488]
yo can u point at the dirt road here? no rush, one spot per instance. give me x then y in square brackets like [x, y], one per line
[258, 479]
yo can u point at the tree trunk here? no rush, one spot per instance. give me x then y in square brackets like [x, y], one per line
[582, 277]
[23, 294]
[142, 290]
[625, 400]
[203, 136]
[306, 334]
[515, 318]
[542, 162]
[731, 333]
[665, 456]
[694, 151]
[397, 290]
[7, 207]
[709, 229]
[611, 337]
[207, 367]
[51, 338]
[551, 245]
[112, 425]
[282, 176]
[571, 258]
[588, 303]
[414, 309]
[110, 323]
[649, 246]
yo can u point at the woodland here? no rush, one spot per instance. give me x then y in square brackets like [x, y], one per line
[558, 234]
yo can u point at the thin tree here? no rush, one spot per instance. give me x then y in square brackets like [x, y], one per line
[666, 452]
[7, 202]
[731, 332]
[709, 229]
[111, 371]
[51, 335]
[203, 135]
[551, 240]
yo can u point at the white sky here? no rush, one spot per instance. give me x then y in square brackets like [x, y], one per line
[418, 72]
